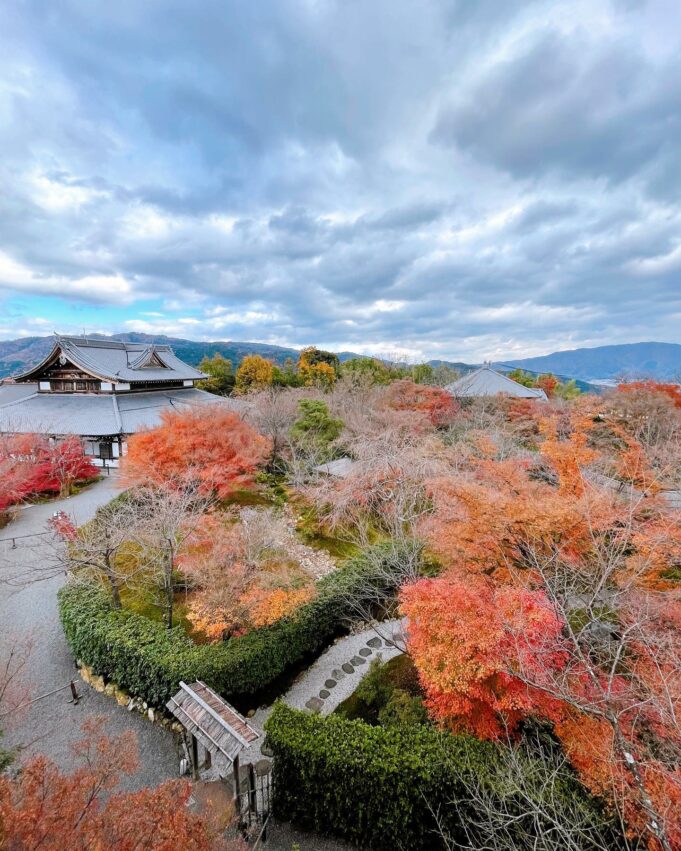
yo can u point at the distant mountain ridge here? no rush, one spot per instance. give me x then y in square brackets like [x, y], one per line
[660, 361]
[655, 360]
[18, 355]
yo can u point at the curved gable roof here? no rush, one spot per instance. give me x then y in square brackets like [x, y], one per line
[115, 361]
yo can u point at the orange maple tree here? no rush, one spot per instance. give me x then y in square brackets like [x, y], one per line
[235, 588]
[436, 404]
[44, 808]
[211, 447]
[464, 636]
[673, 391]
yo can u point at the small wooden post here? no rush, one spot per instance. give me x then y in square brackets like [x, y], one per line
[252, 794]
[195, 757]
[237, 787]
[75, 697]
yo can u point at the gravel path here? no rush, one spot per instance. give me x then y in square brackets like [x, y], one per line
[51, 725]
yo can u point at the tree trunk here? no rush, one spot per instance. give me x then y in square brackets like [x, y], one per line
[168, 580]
[113, 582]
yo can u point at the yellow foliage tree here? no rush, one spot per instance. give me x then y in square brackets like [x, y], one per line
[318, 375]
[254, 373]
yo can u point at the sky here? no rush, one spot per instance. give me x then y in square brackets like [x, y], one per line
[468, 179]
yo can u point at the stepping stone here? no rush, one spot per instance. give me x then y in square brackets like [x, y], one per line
[365, 651]
[358, 660]
[330, 683]
[315, 704]
[374, 642]
[265, 751]
[347, 667]
[324, 693]
[337, 674]
[263, 767]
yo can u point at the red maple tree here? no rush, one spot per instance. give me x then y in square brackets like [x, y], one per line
[436, 404]
[44, 808]
[211, 447]
[32, 464]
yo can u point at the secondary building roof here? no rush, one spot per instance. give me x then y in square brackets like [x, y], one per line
[341, 468]
[485, 381]
[96, 415]
[117, 362]
[216, 724]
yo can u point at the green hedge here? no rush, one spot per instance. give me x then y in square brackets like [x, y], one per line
[149, 661]
[379, 787]
[370, 785]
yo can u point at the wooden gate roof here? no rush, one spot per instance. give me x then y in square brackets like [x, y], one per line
[216, 724]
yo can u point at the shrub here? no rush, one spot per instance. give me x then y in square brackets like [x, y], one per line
[379, 787]
[149, 661]
[389, 693]
[370, 785]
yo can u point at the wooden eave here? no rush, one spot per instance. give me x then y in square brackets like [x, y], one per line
[33, 374]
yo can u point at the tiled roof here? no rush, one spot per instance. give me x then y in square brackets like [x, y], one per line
[216, 724]
[487, 382]
[95, 415]
[13, 392]
[62, 413]
[143, 410]
[111, 360]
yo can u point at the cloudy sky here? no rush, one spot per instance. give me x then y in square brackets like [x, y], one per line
[462, 179]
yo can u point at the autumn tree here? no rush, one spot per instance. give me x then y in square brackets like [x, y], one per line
[318, 368]
[41, 807]
[548, 383]
[242, 573]
[435, 403]
[32, 464]
[209, 447]
[371, 370]
[273, 411]
[220, 375]
[103, 549]
[463, 636]
[254, 373]
[649, 413]
[165, 520]
[15, 691]
[584, 643]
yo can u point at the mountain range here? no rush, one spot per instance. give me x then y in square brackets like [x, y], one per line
[18, 355]
[629, 360]
[637, 360]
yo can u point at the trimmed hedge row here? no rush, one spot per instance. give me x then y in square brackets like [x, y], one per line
[370, 785]
[149, 660]
[379, 787]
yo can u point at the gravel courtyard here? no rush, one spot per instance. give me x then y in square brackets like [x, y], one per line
[52, 724]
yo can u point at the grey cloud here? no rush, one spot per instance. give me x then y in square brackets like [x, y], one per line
[308, 161]
[573, 105]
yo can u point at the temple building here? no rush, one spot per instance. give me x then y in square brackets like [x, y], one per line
[486, 381]
[102, 391]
